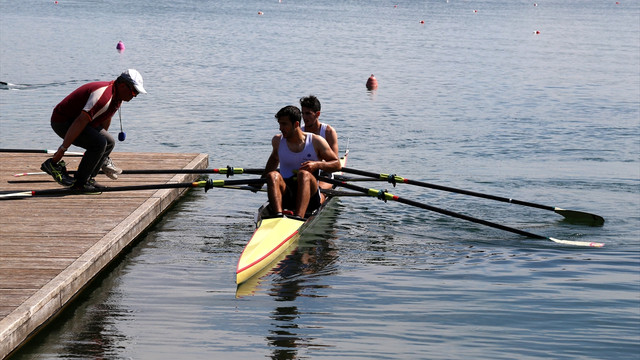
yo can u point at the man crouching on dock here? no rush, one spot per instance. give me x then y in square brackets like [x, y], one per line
[301, 156]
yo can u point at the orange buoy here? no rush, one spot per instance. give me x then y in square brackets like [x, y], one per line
[372, 83]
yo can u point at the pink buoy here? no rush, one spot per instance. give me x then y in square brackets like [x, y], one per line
[372, 83]
[120, 46]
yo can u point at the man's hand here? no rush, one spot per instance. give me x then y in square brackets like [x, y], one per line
[58, 155]
[310, 166]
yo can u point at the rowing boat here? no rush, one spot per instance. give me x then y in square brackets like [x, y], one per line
[273, 236]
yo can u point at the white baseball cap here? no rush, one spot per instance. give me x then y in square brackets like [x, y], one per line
[133, 77]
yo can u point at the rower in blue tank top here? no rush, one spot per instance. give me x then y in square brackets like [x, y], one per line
[293, 150]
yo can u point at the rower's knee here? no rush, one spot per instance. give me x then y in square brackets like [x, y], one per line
[307, 180]
[304, 176]
[273, 176]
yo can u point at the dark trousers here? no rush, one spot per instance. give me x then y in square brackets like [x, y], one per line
[98, 144]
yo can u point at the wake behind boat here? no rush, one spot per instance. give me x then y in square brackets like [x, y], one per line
[273, 236]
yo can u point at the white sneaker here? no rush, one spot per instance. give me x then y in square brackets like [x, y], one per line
[109, 169]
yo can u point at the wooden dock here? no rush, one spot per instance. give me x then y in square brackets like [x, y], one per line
[52, 247]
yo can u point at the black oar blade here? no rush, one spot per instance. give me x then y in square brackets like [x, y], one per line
[580, 217]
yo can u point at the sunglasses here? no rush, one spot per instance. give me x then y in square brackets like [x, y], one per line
[134, 92]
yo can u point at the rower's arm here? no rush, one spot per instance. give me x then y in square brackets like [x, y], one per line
[329, 161]
[332, 139]
[274, 160]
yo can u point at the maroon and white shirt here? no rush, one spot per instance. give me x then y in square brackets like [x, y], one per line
[94, 98]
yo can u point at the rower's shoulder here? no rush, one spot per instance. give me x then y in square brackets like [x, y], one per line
[330, 129]
[315, 138]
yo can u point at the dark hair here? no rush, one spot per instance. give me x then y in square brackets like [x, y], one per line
[310, 102]
[290, 111]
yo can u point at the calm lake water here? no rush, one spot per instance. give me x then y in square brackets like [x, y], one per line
[539, 102]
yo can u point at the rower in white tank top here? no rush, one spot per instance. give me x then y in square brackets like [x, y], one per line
[323, 133]
[323, 130]
[290, 161]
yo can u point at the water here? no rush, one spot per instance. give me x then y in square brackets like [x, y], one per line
[473, 100]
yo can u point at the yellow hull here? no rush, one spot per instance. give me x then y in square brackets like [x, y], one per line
[270, 239]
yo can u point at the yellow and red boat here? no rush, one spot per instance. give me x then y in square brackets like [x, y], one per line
[273, 236]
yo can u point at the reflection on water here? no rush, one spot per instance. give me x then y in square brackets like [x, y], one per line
[297, 275]
[95, 336]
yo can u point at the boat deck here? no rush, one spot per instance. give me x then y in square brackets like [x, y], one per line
[52, 247]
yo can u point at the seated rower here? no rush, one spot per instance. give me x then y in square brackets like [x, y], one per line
[301, 156]
[310, 106]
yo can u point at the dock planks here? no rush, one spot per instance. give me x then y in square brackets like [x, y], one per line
[52, 247]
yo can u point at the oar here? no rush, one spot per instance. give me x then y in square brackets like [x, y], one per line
[573, 216]
[329, 192]
[229, 171]
[207, 184]
[38, 151]
[383, 195]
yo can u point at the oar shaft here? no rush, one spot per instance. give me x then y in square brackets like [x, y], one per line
[228, 171]
[27, 151]
[445, 188]
[388, 196]
[49, 192]
[38, 151]
[207, 184]
[571, 215]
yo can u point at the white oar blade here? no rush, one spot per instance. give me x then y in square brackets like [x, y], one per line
[16, 195]
[577, 243]
[30, 173]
